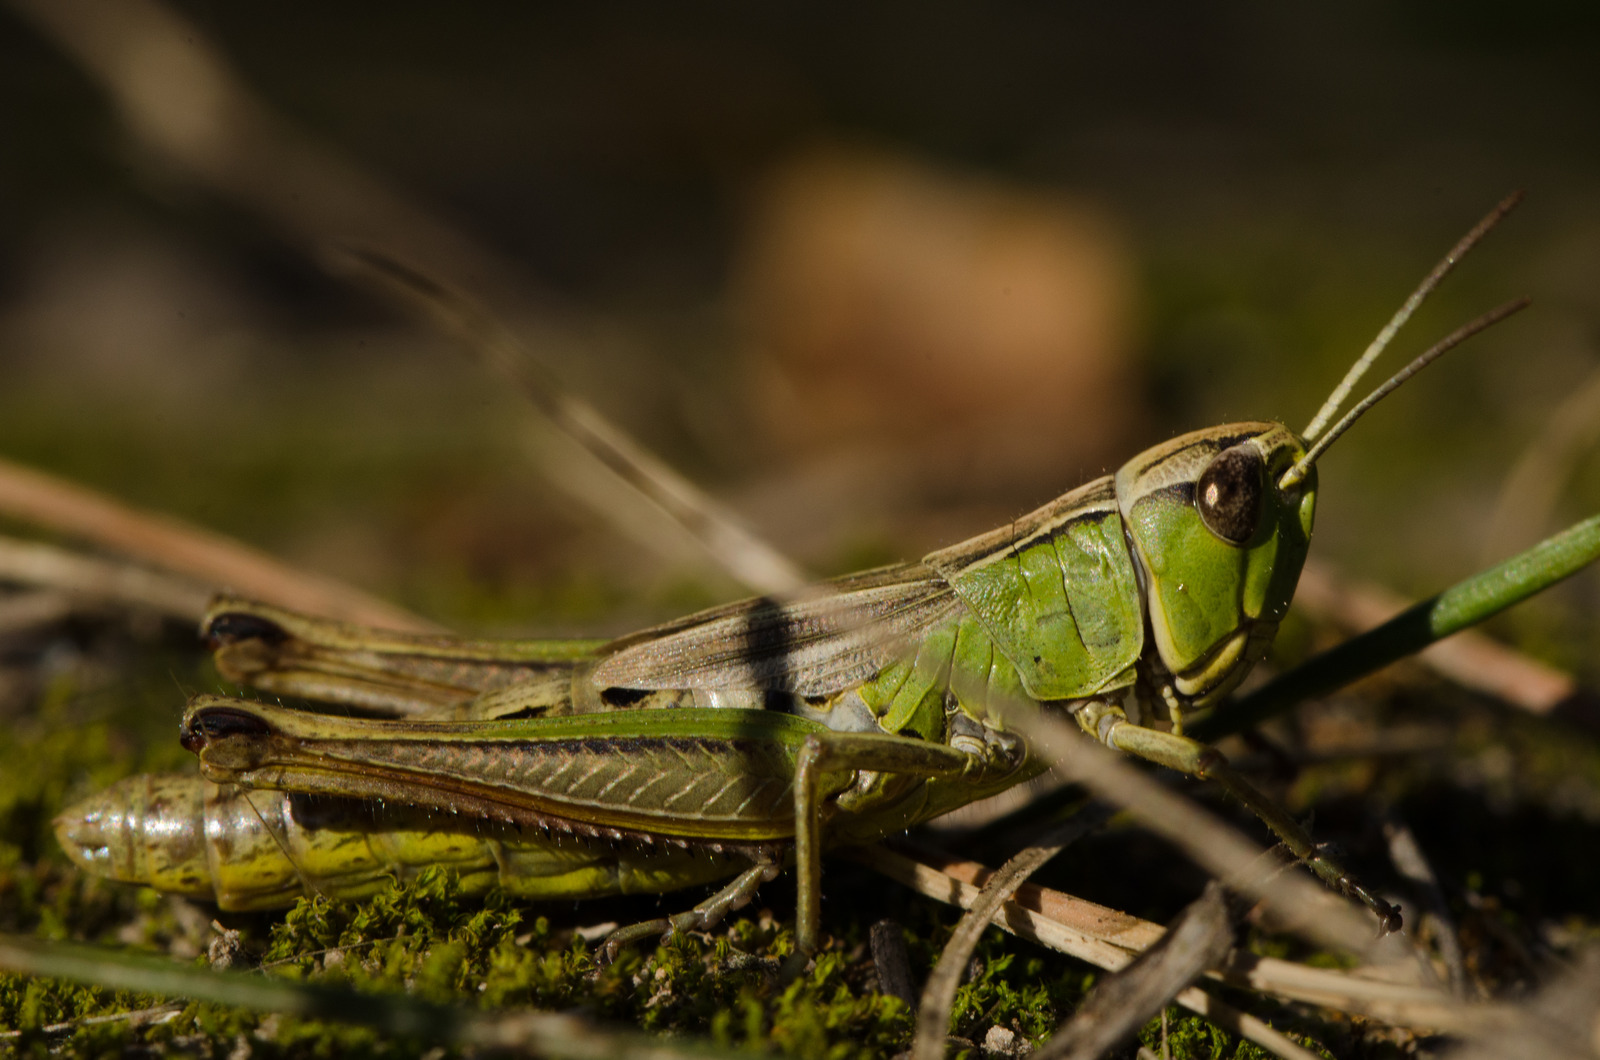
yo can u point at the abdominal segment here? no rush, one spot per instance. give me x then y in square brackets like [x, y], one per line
[249, 850]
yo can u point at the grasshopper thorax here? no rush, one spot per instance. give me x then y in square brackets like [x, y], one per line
[1219, 544]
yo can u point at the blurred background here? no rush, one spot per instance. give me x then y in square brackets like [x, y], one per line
[878, 279]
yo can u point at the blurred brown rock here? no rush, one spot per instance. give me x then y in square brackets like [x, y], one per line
[967, 333]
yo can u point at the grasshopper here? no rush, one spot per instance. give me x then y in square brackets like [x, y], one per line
[732, 742]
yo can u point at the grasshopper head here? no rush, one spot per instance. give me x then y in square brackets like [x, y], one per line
[1220, 519]
[1220, 542]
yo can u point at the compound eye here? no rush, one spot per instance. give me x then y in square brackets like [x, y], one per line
[1229, 494]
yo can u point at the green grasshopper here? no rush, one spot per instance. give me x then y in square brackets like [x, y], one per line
[732, 742]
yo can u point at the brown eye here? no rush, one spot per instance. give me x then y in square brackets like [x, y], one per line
[1229, 494]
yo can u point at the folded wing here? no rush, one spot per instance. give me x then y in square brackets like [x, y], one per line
[816, 646]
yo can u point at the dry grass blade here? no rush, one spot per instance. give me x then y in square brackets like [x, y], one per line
[1199, 938]
[213, 559]
[715, 529]
[938, 994]
[1406, 853]
[1369, 991]
[1103, 937]
[71, 578]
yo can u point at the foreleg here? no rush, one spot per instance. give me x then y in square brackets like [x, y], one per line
[1111, 727]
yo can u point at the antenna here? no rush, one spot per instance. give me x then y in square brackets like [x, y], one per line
[1440, 271]
[1296, 474]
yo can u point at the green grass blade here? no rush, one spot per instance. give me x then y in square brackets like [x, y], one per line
[542, 1033]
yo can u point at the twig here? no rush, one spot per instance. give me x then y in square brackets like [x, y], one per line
[1094, 933]
[938, 994]
[72, 576]
[1199, 938]
[213, 559]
